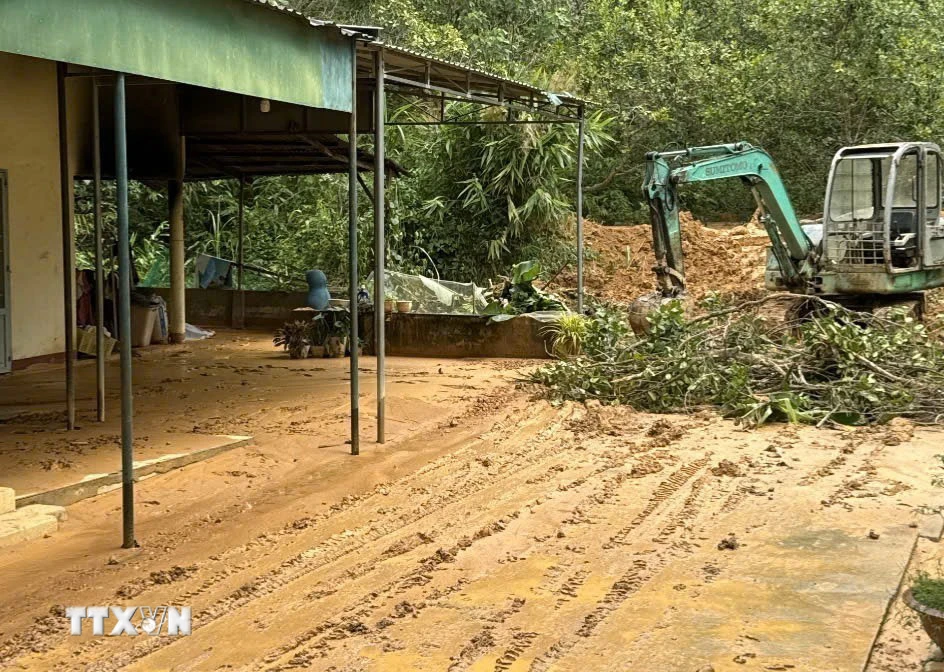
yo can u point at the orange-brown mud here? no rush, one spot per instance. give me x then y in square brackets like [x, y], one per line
[729, 260]
[493, 531]
[719, 258]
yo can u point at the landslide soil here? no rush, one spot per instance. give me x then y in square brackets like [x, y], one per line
[722, 259]
[493, 532]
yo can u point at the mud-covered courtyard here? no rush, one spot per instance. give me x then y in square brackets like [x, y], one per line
[493, 531]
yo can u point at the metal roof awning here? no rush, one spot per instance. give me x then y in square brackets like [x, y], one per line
[227, 45]
[420, 74]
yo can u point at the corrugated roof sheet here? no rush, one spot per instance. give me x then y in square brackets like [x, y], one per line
[370, 35]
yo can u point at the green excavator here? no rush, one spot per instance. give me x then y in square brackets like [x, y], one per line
[880, 242]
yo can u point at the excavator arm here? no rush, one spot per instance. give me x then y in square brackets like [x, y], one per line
[791, 247]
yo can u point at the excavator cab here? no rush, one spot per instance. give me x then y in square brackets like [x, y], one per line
[882, 217]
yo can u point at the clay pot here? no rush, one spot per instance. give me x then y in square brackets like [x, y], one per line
[335, 346]
[299, 351]
[932, 620]
[389, 305]
[404, 306]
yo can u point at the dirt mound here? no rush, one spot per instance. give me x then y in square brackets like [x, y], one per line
[620, 259]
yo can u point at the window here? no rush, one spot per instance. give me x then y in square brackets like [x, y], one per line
[932, 182]
[906, 185]
[851, 197]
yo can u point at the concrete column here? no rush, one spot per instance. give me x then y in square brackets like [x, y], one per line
[178, 279]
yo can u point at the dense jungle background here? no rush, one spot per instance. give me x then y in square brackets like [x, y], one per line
[800, 78]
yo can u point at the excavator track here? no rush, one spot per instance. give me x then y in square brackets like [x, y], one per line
[885, 305]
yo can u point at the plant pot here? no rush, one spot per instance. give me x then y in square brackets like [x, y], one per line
[404, 306]
[565, 350]
[932, 620]
[299, 351]
[389, 306]
[335, 346]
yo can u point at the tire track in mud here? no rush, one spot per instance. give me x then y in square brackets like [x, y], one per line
[650, 559]
[663, 492]
[606, 492]
[331, 549]
[520, 643]
[496, 526]
[601, 492]
[507, 466]
[44, 633]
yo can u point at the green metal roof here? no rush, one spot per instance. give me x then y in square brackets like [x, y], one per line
[229, 45]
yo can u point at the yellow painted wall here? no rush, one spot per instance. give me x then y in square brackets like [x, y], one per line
[29, 152]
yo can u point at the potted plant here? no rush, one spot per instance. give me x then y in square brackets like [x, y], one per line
[390, 302]
[360, 348]
[926, 597]
[294, 337]
[567, 335]
[335, 345]
[318, 332]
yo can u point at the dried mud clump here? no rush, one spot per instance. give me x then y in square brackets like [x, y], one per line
[729, 543]
[727, 468]
[645, 466]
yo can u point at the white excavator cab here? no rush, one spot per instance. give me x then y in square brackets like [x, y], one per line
[882, 214]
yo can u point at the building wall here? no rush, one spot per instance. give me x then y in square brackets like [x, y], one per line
[29, 152]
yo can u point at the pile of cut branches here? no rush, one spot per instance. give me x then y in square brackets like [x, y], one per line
[836, 366]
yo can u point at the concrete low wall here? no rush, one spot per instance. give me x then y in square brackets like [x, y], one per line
[415, 335]
[408, 334]
[214, 307]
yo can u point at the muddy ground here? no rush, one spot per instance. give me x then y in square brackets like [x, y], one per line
[494, 531]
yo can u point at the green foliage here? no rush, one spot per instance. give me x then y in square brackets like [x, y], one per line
[292, 224]
[519, 295]
[800, 78]
[928, 590]
[838, 366]
[293, 337]
[482, 196]
[568, 334]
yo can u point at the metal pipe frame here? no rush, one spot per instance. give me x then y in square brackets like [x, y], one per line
[177, 331]
[379, 243]
[99, 261]
[352, 260]
[239, 320]
[68, 247]
[442, 93]
[580, 143]
[511, 122]
[124, 313]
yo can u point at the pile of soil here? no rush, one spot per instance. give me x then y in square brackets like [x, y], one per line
[727, 260]
[721, 258]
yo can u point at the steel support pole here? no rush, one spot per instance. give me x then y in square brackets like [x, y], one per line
[177, 330]
[239, 308]
[352, 258]
[99, 261]
[379, 243]
[124, 312]
[580, 134]
[68, 245]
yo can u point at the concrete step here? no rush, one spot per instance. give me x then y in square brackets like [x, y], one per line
[29, 522]
[7, 500]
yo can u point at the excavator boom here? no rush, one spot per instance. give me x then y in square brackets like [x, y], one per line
[793, 250]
